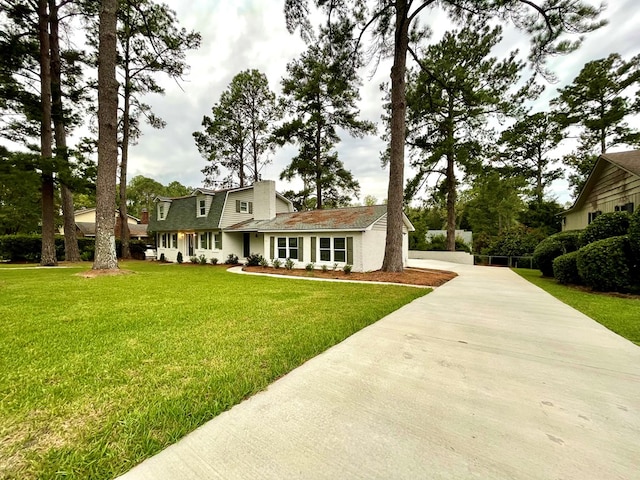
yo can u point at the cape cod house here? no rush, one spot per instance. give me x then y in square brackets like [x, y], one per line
[257, 219]
[613, 185]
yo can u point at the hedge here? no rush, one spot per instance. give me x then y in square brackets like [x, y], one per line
[634, 236]
[27, 248]
[554, 246]
[607, 225]
[565, 269]
[605, 265]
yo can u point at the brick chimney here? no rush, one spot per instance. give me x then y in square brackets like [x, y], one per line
[144, 217]
[264, 200]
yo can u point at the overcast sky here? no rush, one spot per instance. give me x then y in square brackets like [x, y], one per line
[240, 35]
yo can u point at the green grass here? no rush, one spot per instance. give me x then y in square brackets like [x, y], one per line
[617, 313]
[98, 374]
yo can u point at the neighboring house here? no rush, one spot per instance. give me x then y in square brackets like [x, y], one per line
[85, 220]
[257, 219]
[613, 185]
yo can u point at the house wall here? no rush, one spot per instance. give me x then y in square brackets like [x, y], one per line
[282, 206]
[90, 217]
[614, 187]
[229, 214]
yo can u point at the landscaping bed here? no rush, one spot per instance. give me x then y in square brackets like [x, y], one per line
[410, 276]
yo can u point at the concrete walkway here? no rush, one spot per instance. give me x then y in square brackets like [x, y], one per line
[487, 377]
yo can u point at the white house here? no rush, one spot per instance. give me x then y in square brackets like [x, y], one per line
[257, 219]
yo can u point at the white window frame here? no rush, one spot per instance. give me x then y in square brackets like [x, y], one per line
[161, 212]
[244, 206]
[217, 241]
[332, 249]
[202, 207]
[290, 244]
[174, 241]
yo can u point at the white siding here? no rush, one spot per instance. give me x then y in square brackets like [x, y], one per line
[207, 204]
[614, 187]
[380, 225]
[229, 214]
[282, 206]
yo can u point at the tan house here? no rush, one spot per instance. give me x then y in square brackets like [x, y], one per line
[257, 219]
[612, 186]
[85, 220]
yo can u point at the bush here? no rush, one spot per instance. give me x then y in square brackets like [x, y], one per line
[214, 261]
[605, 265]
[634, 236]
[163, 259]
[193, 259]
[309, 267]
[325, 268]
[276, 263]
[565, 269]
[202, 259]
[607, 225]
[288, 264]
[552, 247]
[254, 260]
[347, 269]
[515, 242]
[179, 258]
[438, 243]
[264, 263]
[232, 259]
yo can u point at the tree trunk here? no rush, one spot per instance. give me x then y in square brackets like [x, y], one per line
[451, 179]
[105, 253]
[48, 252]
[395, 194]
[71, 250]
[319, 199]
[124, 160]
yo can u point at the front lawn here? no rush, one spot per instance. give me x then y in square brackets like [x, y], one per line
[618, 313]
[98, 374]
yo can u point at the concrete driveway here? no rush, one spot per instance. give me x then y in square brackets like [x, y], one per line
[487, 377]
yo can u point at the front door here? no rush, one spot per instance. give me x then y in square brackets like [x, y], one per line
[190, 241]
[246, 244]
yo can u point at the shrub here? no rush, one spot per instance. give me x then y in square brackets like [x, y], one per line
[254, 260]
[439, 243]
[325, 268]
[605, 265]
[288, 264]
[309, 267]
[634, 236]
[565, 269]
[611, 224]
[552, 247]
[276, 263]
[232, 259]
[264, 263]
[202, 260]
[179, 258]
[335, 267]
[163, 259]
[347, 269]
[194, 259]
[214, 261]
[518, 241]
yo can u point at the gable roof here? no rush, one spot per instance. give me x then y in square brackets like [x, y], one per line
[182, 214]
[628, 161]
[349, 218]
[88, 229]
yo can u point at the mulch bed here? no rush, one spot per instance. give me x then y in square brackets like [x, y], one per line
[410, 276]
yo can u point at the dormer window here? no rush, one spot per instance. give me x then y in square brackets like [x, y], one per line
[161, 212]
[202, 207]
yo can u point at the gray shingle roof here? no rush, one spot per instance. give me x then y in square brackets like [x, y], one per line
[629, 160]
[351, 218]
[182, 215]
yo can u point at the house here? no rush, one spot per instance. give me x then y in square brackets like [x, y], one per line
[257, 219]
[85, 220]
[613, 185]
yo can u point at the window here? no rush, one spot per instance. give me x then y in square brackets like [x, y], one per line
[244, 207]
[339, 250]
[217, 241]
[204, 241]
[325, 249]
[288, 247]
[160, 212]
[164, 240]
[174, 240]
[627, 207]
[593, 215]
[337, 254]
[202, 207]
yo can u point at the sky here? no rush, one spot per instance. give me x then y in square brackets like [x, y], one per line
[248, 34]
